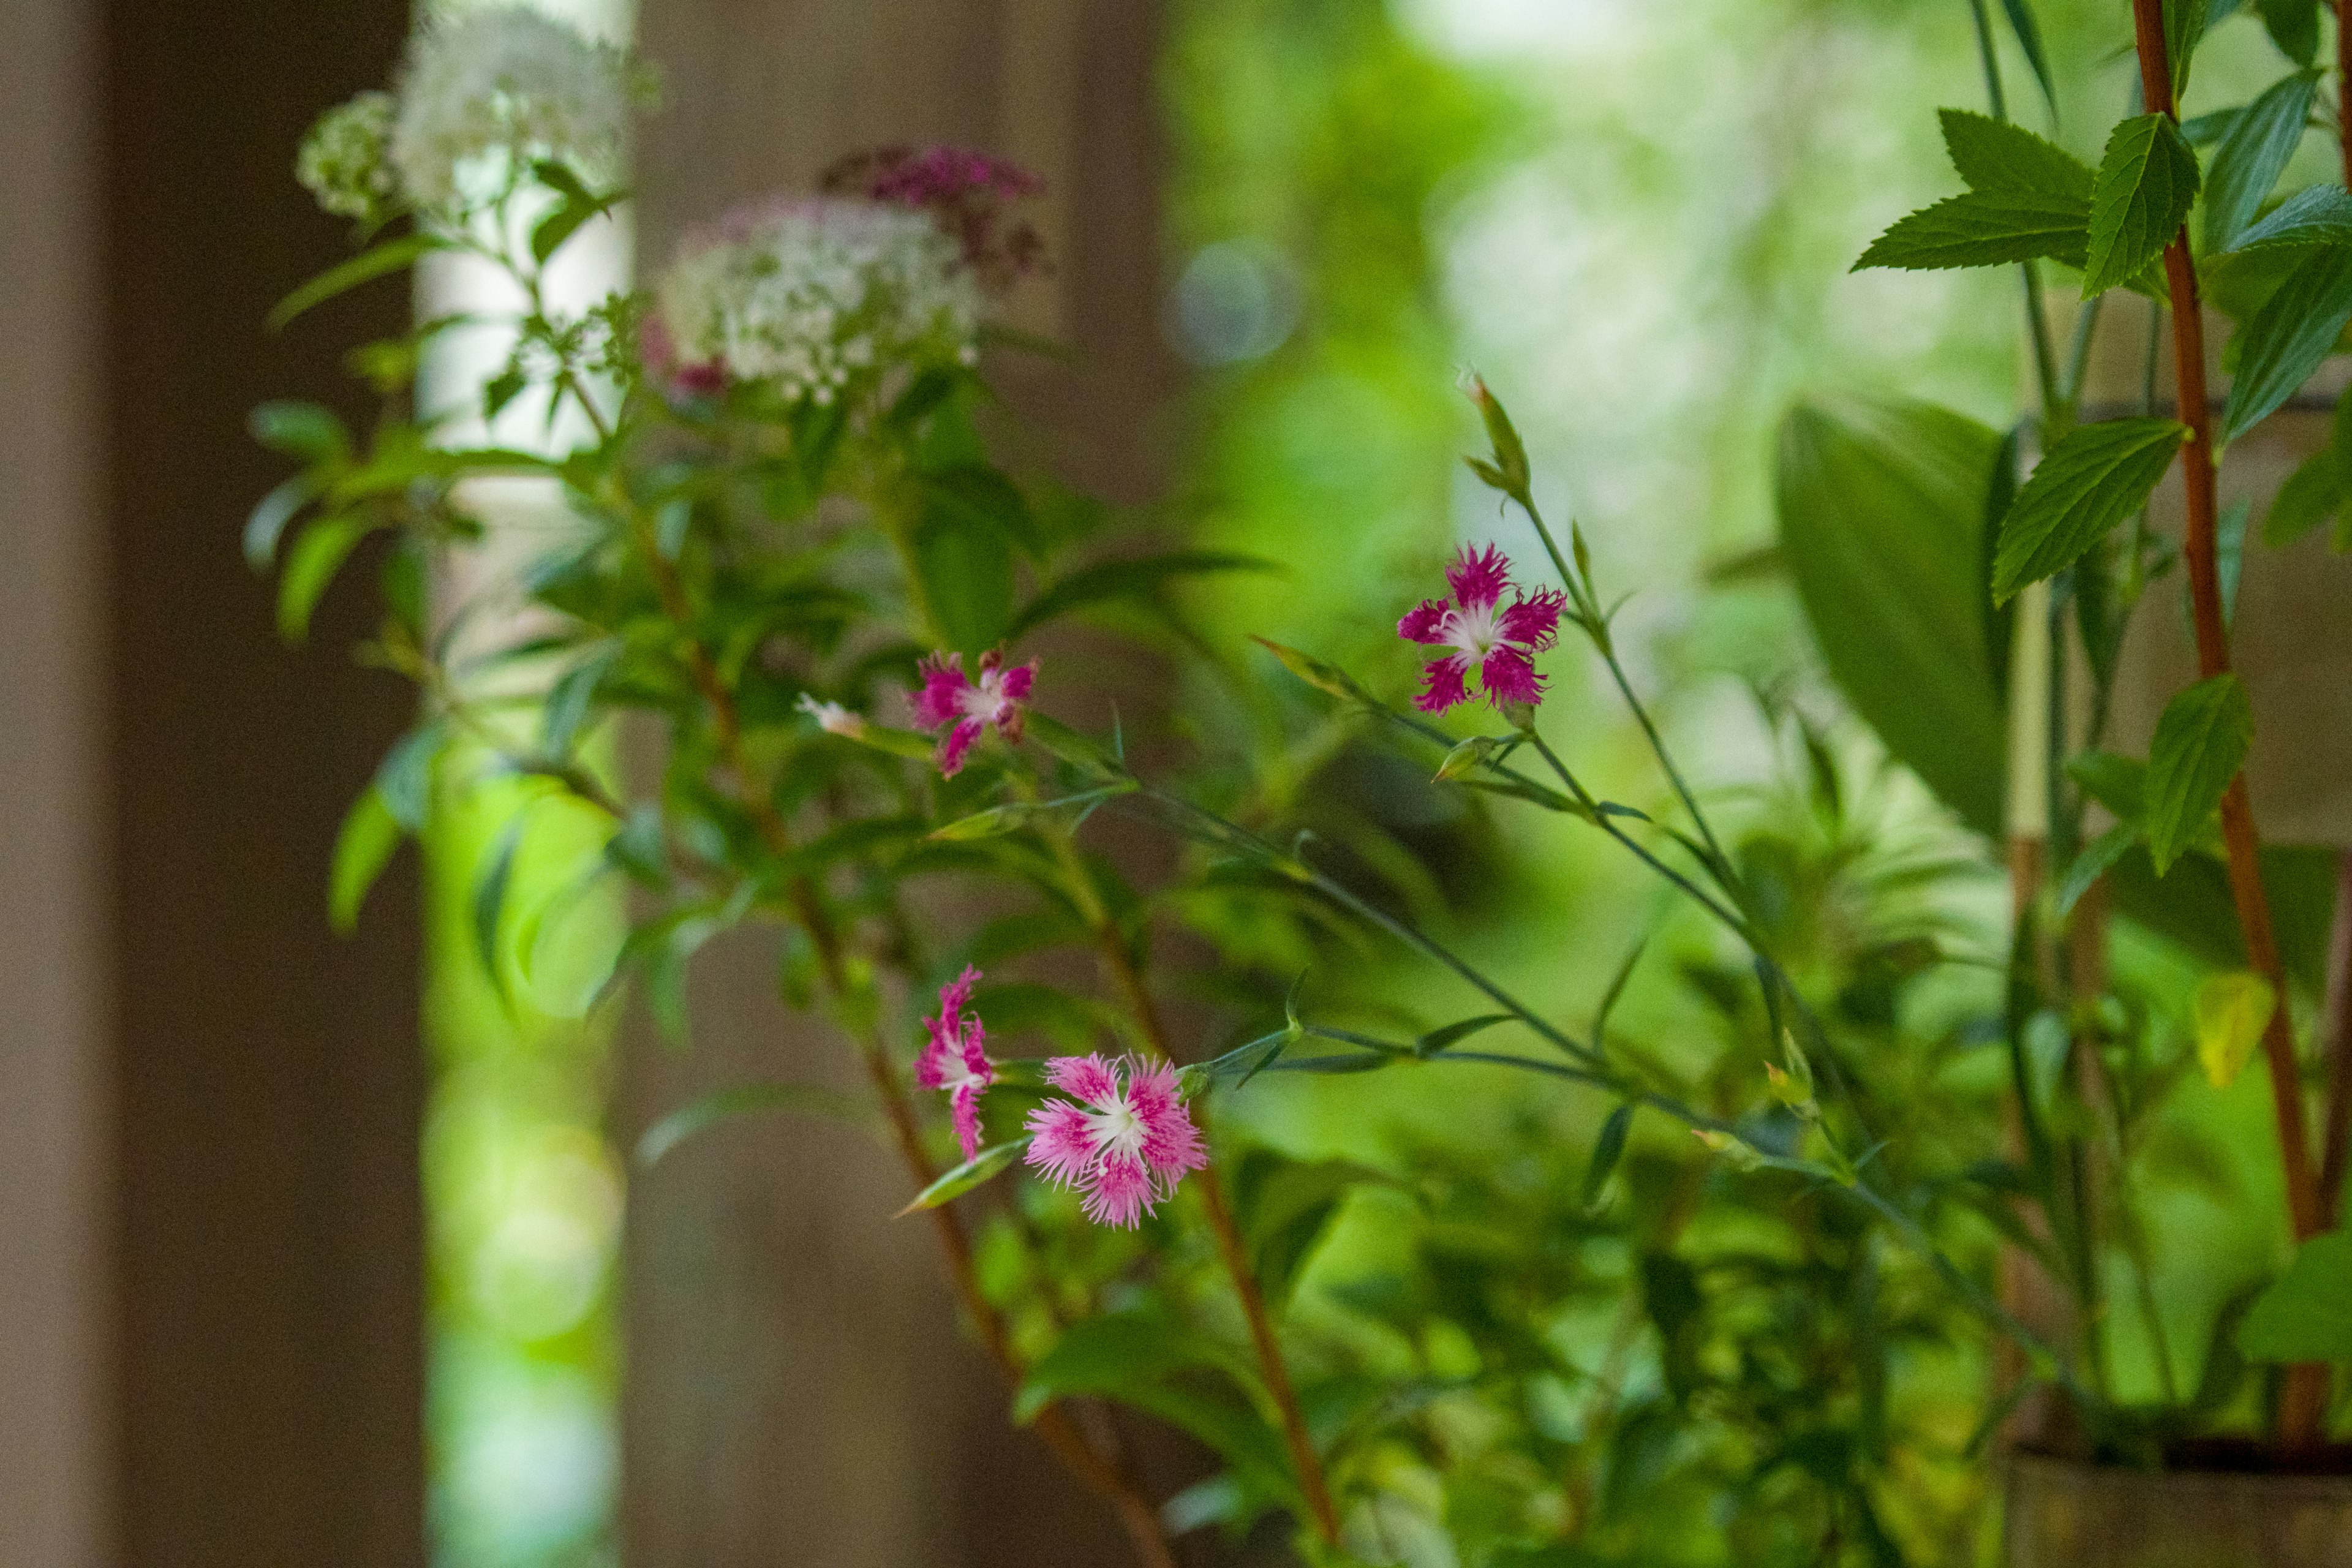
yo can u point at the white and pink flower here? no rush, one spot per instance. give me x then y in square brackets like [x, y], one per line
[1128, 1141]
[1500, 640]
[967, 707]
[955, 1058]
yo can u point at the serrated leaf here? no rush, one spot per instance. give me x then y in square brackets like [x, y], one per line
[743, 1099]
[2306, 1315]
[2200, 743]
[2027, 28]
[2251, 157]
[2232, 1011]
[1996, 155]
[2147, 184]
[318, 552]
[363, 847]
[2293, 27]
[1983, 228]
[2288, 337]
[2099, 475]
[979, 1168]
[1606, 1151]
[390, 257]
[2308, 497]
[2316, 214]
[2095, 861]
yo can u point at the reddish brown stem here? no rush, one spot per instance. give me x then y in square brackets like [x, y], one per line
[1236, 1254]
[2335, 1125]
[2303, 1406]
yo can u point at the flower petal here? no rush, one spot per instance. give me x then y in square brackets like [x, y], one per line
[1533, 619]
[944, 683]
[1420, 622]
[1446, 686]
[965, 1106]
[956, 746]
[1510, 676]
[1061, 1142]
[1478, 577]
[1091, 1078]
[1119, 1193]
[1019, 680]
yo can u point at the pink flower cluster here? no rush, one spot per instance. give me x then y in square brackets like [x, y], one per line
[955, 1058]
[966, 707]
[1127, 1142]
[966, 192]
[1500, 640]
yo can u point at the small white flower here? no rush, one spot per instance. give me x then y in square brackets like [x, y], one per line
[487, 90]
[832, 717]
[811, 295]
[344, 161]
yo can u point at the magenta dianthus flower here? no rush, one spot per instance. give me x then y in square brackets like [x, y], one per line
[1125, 1146]
[1500, 640]
[967, 707]
[955, 1058]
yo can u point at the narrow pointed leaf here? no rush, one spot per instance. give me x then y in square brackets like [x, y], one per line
[979, 1168]
[1606, 1151]
[2027, 28]
[2249, 161]
[363, 849]
[2184, 29]
[390, 257]
[2289, 336]
[2318, 215]
[1983, 228]
[742, 1100]
[2099, 475]
[2147, 184]
[2293, 27]
[1436, 1040]
[2307, 499]
[2200, 743]
[2095, 861]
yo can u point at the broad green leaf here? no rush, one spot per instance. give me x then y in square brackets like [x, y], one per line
[2200, 743]
[2184, 29]
[967, 580]
[307, 430]
[2027, 28]
[1983, 228]
[721, 1105]
[1137, 580]
[2232, 1011]
[318, 552]
[2146, 182]
[1882, 515]
[2316, 214]
[979, 1168]
[2307, 1314]
[363, 849]
[1995, 155]
[2099, 475]
[390, 257]
[1607, 1150]
[2307, 499]
[2095, 861]
[2293, 27]
[2251, 157]
[270, 516]
[2289, 337]
[2117, 782]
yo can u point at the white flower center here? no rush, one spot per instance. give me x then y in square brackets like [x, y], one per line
[984, 700]
[1116, 1130]
[1473, 628]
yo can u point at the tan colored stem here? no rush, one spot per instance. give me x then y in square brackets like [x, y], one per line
[2302, 1406]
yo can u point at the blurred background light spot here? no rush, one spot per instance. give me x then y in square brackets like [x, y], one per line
[1236, 300]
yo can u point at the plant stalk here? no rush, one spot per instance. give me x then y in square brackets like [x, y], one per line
[2303, 1406]
[2336, 1126]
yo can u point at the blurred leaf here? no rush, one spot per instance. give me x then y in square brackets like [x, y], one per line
[490, 897]
[2095, 861]
[1881, 515]
[392, 256]
[967, 579]
[2252, 156]
[2117, 782]
[2293, 27]
[2184, 29]
[2307, 1314]
[570, 697]
[1436, 1040]
[404, 778]
[2294, 330]
[1323, 676]
[721, 1105]
[2027, 28]
[973, 1173]
[270, 516]
[2307, 499]
[1607, 1150]
[2232, 1011]
[2200, 743]
[363, 847]
[1286, 1208]
[1140, 579]
[307, 430]
[318, 552]
[2146, 182]
[2093, 479]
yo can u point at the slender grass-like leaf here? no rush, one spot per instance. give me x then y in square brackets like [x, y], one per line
[1982, 228]
[979, 1168]
[743, 1099]
[363, 847]
[2027, 28]
[390, 257]
[1607, 1150]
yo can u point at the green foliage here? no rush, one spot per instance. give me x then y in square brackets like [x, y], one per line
[2027, 198]
[2252, 156]
[2306, 1315]
[2200, 743]
[2147, 184]
[743, 1099]
[2294, 330]
[2293, 27]
[2099, 475]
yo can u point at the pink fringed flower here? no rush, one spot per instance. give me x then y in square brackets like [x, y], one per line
[954, 1058]
[1126, 1146]
[966, 706]
[1499, 640]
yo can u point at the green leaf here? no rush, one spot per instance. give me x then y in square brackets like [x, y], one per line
[2309, 496]
[572, 695]
[2095, 861]
[1508, 468]
[2027, 28]
[2200, 743]
[1437, 1041]
[2145, 186]
[318, 552]
[979, 1168]
[2293, 27]
[1607, 1150]
[2184, 29]
[742, 1100]
[1323, 676]
[1996, 155]
[1141, 579]
[1983, 228]
[489, 900]
[2251, 157]
[270, 516]
[307, 430]
[1881, 516]
[2307, 1314]
[2288, 337]
[363, 849]
[2232, 1011]
[966, 569]
[1286, 1207]
[2230, 555]
[2117, 782]
[392, 256]
[2316, 214]
[2099, 475]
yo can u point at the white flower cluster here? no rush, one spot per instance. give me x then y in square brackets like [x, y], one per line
[811, 295]
[488, 89]
[342, 161]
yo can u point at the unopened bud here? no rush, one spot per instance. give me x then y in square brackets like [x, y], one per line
[1735, 1150]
